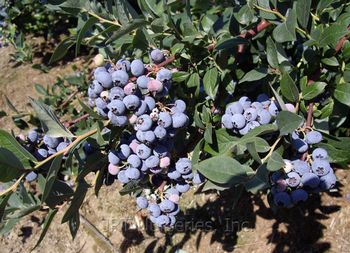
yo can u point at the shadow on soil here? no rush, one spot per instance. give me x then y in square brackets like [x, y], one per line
[223, 219]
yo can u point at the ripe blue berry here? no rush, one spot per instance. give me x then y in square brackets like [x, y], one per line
[113, 158]
[151, 103]
[132, 173]
[167, 206]
[154, 209]
[174, 174]
[310, 180]
[62, 146]
[117, 107]
[117, 120]
[263, 117]
[120, 78]
[142, 202]
[179, 120]
[164, 75]
[273, 109]
[234, 108]
[50, 141]
[144, 122]
[150, 137]
[31, 176]
[123, 64]
[313, 137]
[33, 136]
[162, 220]
[160, 132]
[131, 102]
[116, 93]
[198, 178]
[299, 195]
[293, 179]
[245, 102]
[100, 103]
[142, 81]
[152, 161]
[226, 121]
[143, 151]
[320, 167]
[157, 56]
[122, 177]
[300, 145]
[124, 152]
[143, 108]
[104, 78]
[134, 161]
[180, 106]
[41, 154]
[319, 153]
[182, 187]
[164, 120]
[328, 181]
[97, 87]
[183, 165]
[301, 167]
[250, 114]
[263, 99]
[137, 67]
[282, 199]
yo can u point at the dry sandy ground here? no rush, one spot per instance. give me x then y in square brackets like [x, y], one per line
[209, 224]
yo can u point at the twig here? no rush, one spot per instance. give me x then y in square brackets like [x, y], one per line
[65, 103]
[73, 122]
[98, 235]
[271, 150]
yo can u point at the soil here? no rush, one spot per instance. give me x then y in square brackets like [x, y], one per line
[208, 223]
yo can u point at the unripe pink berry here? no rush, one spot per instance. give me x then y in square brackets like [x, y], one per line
[164, 162]
[132, 119]
[129, 88]
[290, 107]
[133, 145]
[281, 185]
[174, 198]
[113, 169]
[155, 86]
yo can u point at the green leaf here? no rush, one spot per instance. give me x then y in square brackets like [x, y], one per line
[303, 12]
[74, 223]
[3, 204]
[254, 75]
[208, 134]
[286, 31]
[313, 90]
[271, 53]
[87, 25]
[287, 122]
[61, 50]
[51, 177]
[223, 170]
[196, 152]
[50, 123]
[332, 61]
[48, 219]
[210, 81]
[126, 29]
[90, 111]
[209, 185]
[131, 187]
[193, 81]
[77, 200]
[10, 105]
[180, 76]
[275, 162]
[10, 166]
[259, 181]
[252, 151]
[8, 142]
[279, 99]
[231, 43]
[40, 89]
[332, 34]
[288, 88]
[342, 93]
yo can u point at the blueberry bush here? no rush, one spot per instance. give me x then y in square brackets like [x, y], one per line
[215, 95]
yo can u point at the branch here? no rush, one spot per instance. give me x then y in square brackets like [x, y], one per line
[341, 42]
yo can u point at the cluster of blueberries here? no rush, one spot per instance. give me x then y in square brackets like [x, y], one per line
[3, 24]
[301, 177]
[243, 115]
[163, 208]
[41, 146]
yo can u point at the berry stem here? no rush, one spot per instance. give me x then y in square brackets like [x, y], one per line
[274, 145]
[73, 122]
[65, 103]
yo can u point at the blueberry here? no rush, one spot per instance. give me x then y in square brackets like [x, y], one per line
[140, 135]
[144, 122]
[162, 220]
[319, 153]
[134, 161]
[143, 108]
[164, 120]
[263, 117]
[137, 67]
[188, 176]
[258, 106]
[123, 64]
[293, 179]
[183, 165]
[175, 212]
[198, 178]
[245, 102]
[102, 112]
[301, 167]
[299, 195]
[142, 81]
[31, 176]
[252, 124]
[120, 78]
[113, 158]
[226, 121]
[157, 56]
[174, 174]
[328, 181]
[250, 114]
[167, 206]
[104, 78]
[164, 75]
[273, 109]
[62, 146]
[277, 175]
[263, 99]
[117, 107]
[131, 102]
[50, 141]
[182, 187]
[310, 180]
[300, 145]
[244, 130]
[172, 220]
[160, 151]
[124, 152]
[142, 202]
[160, 132]
[288, 166]
[100, 103]
[117, 120]
[143, 151]
[122, 177]
[98, 70]
[116, 93]
[150, 136]
[151, 103]
[33, 136]
[320, 167]
[179, 120]
[282, 199]
[91, 93]
[234, 108]
[152, 161]
[154, 209]
[313, 137]
[97, 87]
[132, 173]
[180, 106]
